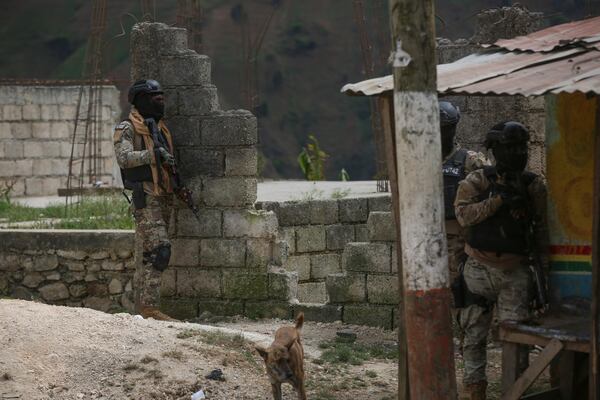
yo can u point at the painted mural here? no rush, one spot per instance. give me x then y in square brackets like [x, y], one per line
[570, 127]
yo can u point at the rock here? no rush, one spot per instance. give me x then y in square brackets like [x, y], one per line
[346, 336]
[216, 375]
[54, 291]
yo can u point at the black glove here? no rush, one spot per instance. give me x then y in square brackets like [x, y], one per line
[166, 156]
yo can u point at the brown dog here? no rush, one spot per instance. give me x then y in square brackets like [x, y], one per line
[284, 359]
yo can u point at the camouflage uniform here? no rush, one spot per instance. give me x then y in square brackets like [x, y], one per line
[502, 279]
[454, 232]
[152, 222]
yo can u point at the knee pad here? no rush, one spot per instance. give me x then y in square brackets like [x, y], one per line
[159, 257]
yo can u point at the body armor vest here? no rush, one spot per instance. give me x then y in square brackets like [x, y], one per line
[453, 171]
[502, 233]
[143, 173]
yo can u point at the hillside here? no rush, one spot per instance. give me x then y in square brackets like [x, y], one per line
[310, 51]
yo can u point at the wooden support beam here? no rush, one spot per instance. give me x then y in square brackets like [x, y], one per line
[534, 370]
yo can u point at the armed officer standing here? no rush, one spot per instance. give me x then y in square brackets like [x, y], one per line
[145, 170]
[503, 209]
[457, 163]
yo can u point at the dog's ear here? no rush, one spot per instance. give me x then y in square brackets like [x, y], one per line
[262, 351]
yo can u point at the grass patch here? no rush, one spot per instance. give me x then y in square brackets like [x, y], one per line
[371, 374]
[188, 333]
[174, 354]
[148, 360]
[95, 212]
[336, 352]
[131, 366]
[217, 338]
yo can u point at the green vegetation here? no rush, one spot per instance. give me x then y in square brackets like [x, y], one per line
[337, 352]
[102, 212]
[312, 159]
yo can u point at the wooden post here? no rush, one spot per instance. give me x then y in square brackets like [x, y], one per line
[427, 298]
[594, 373]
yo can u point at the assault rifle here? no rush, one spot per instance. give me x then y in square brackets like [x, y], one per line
[518, 185]
[182, 192]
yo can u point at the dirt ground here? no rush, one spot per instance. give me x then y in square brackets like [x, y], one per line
[53, 352]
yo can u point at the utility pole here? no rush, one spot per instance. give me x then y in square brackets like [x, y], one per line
[427, 297]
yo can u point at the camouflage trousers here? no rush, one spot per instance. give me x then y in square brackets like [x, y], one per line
[151, 231]
[508, 291]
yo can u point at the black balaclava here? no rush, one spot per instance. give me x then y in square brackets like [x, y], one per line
[148, 107]
[448, 133]
[510, 157]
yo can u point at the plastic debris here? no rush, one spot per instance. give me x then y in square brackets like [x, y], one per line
[216, 375]
[199, 395]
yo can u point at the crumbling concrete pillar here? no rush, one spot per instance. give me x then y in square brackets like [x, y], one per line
[228, 263]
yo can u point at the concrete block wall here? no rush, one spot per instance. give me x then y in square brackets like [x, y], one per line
[36, 131]
[316, 233]
[75, 268]
[230, 262]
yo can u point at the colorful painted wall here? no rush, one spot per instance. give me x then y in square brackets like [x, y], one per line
[570, 129]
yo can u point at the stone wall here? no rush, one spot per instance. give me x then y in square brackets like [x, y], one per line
[36, 130]
[229, 262]
[75, 268]
[317, 232]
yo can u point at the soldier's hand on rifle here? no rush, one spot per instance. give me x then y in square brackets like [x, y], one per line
[516, 203]
[166, 156]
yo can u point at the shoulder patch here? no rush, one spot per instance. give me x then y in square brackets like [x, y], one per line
[123, 125]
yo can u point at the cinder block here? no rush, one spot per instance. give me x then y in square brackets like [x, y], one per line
[324, 264]
[50, 112]
[323, 212]
[310, 238]
[338, 236]
[283, 285]
[31, 112]
[268, 309]
[12, 112]
[259, 253]
[203, 162]
[353, 210]
[319, 312]
[51, 184]
[40, 130]
[312, 292]
[198, 101]
[238, 285]
[199, 283]
[241, 162]
[208, 226]
[185, 252]
[21, 167]
[394, 248]
[367, 257]
[67, 112]
[229, 192]
[381, 226]
[5, 130]
[293, 213]
[185, 132]
[380, 203]
[181, 309]
[221, 308]
[185, 69]
[222, 253]
[382, 289]
[251, 223]
[361, 233]
[342, 288]
[300, 265]
[171, 40]
[62, 130]
[380, 316]
[20, 130]
[13, 149]
[229, 128]
[168, 282]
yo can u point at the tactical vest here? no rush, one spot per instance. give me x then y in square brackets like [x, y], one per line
[159, 176]
[453, 170]
[501, 233]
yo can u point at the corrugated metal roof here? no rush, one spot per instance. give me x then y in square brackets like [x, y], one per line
[503, 70]
[585, 32]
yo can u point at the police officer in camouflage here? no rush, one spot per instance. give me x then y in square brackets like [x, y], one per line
[457, 163]
[498, 206]
[145, 170]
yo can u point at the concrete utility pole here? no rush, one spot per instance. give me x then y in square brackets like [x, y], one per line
[427, 297]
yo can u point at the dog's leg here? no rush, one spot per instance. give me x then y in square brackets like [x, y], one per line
[276, 387]
[300, 390]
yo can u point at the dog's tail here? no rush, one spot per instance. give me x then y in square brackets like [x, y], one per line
[299, 320]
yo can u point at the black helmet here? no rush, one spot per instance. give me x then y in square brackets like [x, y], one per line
[506, 133]
[143, 86]
[449, 114]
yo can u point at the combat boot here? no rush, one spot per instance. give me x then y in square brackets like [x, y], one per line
[476, 391]
[153, 312]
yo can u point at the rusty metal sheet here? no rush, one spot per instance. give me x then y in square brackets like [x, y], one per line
[578, 73]
[557, 36]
